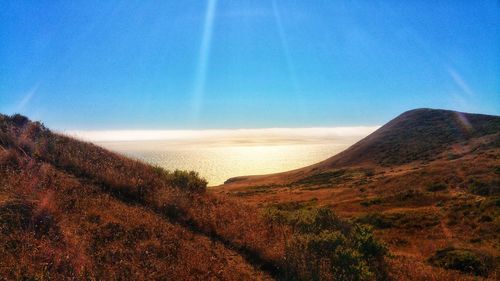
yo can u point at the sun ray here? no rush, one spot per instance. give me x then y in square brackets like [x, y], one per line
[284, 44]
[204, 56]
[288, 58]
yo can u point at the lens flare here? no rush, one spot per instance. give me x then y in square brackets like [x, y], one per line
[463, 122]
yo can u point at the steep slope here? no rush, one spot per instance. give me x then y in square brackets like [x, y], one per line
[71, 210]
[417, 135]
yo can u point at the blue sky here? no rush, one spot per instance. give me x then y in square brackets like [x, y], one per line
[87, 65]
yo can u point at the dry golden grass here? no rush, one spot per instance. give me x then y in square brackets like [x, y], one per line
[419, 217]
[453, 215]
[84, 233]
[72, 210]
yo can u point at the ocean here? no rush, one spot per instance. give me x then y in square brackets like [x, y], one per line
[219, 163]
[218, 155]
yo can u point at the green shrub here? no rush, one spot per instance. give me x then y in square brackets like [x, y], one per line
[188, 180]
[463, 260]
[324, 247]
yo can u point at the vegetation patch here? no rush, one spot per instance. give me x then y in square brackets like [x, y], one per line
[482, 215]
[322, 178]
[402, 220]
[186, 180]
[464, 260]
[325, 247]
[437, 187]
[411, 197]
[15, 215]
[484, 189]
[20, 215]
[45, 225]
[252, 190]
[371, 202]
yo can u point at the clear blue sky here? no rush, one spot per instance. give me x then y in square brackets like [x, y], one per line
[245, 64]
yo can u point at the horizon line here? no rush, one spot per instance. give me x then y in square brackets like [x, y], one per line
[274, 133]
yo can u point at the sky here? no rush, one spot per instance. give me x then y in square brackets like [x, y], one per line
[222, 64]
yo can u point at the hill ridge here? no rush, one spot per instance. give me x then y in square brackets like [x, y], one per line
[415, 135]
[419, 134]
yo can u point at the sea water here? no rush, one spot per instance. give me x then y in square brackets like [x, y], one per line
[217, 163]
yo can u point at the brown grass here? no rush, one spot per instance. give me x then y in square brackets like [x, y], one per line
[72, 210]
[423, 207]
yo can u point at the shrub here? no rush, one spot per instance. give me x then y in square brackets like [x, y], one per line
[334, 255]
[436, 187]
[15, 215]
[19, 120]
[6, 140]
[463, 260]
[484, 189]
[9, 158]
[324, 247]
[374, 201]
[377, 220]
[45, 225]
[369, 172]
[187, 180]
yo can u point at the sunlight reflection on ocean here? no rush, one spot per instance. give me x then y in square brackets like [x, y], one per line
[219, 163]
[221, 154]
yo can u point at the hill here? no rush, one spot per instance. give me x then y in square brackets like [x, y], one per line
[70, 210]
[428, 182]
[416, 135]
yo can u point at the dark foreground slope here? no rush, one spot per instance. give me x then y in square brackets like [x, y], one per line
[428, 182]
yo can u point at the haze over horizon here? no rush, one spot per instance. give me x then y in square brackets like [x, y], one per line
[268, 136]
[94, 65]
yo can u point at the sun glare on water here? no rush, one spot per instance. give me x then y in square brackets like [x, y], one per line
[221, 154]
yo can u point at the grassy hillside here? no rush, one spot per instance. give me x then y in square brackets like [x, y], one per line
[72, 210]
[417, 135]
[69, 209]
[428, 182]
